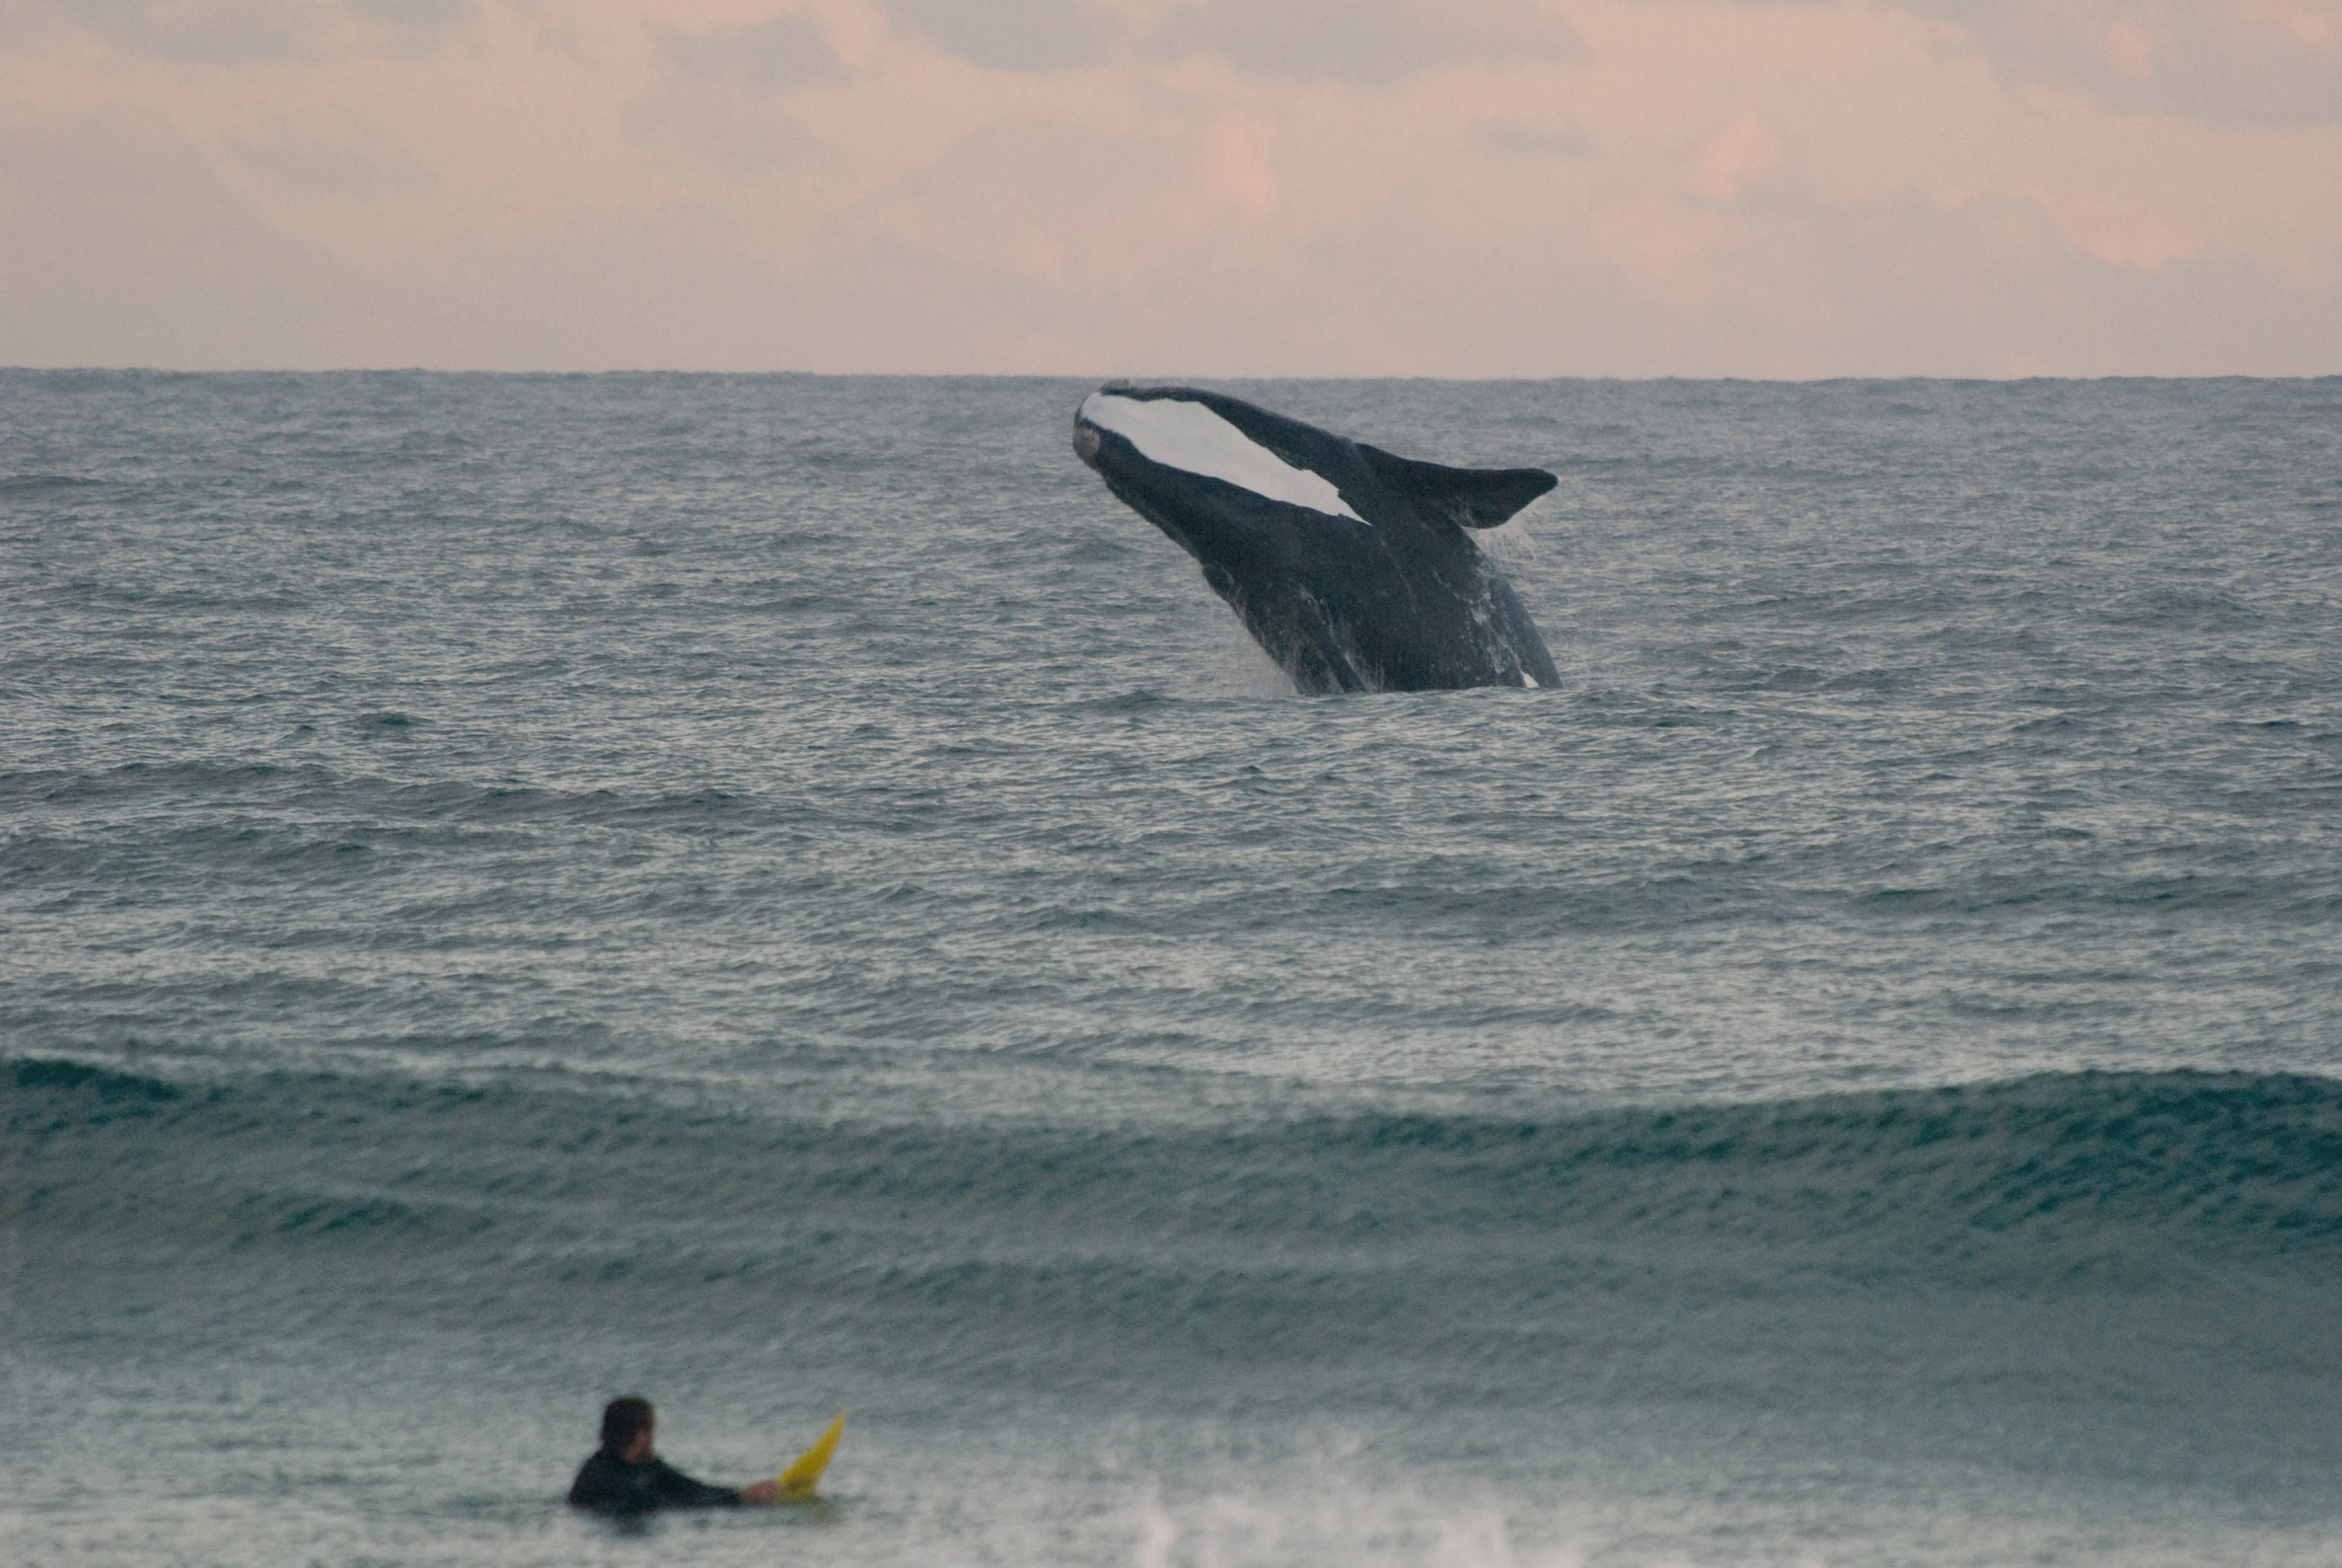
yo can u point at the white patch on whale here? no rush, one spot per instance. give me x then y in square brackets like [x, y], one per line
[1189, 437]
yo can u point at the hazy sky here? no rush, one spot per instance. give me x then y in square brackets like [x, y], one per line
[1162, 187]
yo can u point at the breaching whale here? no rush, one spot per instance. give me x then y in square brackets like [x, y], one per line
[1349, 566]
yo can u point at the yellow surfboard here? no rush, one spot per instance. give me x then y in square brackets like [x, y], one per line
[798, 1481]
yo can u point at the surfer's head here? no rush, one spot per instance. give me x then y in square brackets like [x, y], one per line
[627, 1425]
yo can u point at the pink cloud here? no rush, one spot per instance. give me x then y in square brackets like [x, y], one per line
[1742, 149]
[1240, 171]
[2242, 61]
[1641, 188]
[2315, 25]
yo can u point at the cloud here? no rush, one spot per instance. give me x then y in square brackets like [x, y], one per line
[1016, 35]
[1372, 188]
[720, 103]
[125, 249]
[2001, 285]
[771, 56]
[414, 27]
[1370, 40]
[734, 134]
[353, 160]
[1514, 139]
[241, 32]
[2234, 62]
[1106, 205]
[1743, 150]
[2221, 62]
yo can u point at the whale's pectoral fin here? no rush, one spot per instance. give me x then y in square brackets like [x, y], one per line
[1468, 497]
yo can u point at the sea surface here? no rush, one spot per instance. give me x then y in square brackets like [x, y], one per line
[779, 894]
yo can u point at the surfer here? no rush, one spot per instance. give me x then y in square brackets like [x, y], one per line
[625, 1477]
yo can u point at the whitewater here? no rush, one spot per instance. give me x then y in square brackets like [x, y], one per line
[780, 895]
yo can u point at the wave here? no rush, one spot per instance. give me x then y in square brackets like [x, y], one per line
[1987, 1256]
[2032, 1178]
[29, 484]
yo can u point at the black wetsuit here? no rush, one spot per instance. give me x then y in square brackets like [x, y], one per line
[608, 1484]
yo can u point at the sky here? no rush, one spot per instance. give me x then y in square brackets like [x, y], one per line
[1787, 189]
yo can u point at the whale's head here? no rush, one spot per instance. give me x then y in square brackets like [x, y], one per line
[1087, 444]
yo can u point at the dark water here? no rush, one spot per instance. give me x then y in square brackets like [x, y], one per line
[780, 894]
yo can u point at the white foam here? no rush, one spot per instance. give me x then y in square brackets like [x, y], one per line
[1188, 435]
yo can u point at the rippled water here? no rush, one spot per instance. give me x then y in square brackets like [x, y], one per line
[780, 893]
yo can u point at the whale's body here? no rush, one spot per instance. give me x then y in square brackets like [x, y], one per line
[1351, 567]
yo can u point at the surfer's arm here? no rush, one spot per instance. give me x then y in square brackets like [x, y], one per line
[761, 1491]
[674, 1488]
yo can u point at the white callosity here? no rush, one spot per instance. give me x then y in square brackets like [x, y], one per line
[1188, 435]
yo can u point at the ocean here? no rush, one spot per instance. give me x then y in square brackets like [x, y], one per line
[779, 894]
